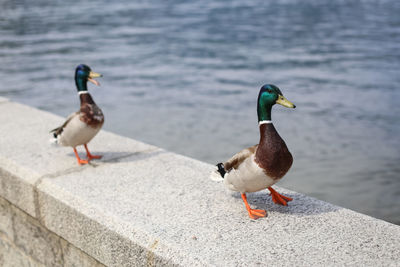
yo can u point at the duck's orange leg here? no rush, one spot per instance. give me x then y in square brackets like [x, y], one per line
[278, 198]
[90, 156]
[254, 214]
[80, 161]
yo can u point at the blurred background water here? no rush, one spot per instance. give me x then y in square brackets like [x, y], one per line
[184, 75]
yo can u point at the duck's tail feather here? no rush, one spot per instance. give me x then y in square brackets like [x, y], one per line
[56, 131]
[218, 174]
[54, 140]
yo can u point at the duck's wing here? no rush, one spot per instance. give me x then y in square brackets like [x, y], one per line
[233, 163]
[57, 131]
[238, 158]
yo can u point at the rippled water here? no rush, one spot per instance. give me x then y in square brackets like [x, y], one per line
[184, 75]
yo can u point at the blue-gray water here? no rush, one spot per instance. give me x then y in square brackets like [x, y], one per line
[184, 75]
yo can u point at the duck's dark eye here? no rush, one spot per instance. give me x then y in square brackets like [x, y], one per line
[269, 90]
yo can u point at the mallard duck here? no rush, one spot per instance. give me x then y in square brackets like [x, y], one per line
[81, 126]
[260, 166]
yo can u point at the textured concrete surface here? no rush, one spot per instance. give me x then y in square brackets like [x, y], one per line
[12, 256]
[73, 257]
[169, 201]
[6, 224]
[26, 152]
[141, 205]
[25, 242]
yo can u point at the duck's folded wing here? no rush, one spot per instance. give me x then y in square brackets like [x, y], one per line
[59, 130]
[238, 158]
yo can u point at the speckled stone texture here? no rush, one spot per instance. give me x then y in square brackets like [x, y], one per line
[26, 155]
[25, 242]
[141, 205]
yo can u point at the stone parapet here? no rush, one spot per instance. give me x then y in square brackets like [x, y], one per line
[141, 205]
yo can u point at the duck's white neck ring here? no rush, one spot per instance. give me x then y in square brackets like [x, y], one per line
[264, 122]
[82, 92]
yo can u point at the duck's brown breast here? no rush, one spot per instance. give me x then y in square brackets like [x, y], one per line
[272, 153]
[90, 113]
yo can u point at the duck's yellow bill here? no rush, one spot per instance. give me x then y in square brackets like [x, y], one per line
[92, 75]
[284, 102]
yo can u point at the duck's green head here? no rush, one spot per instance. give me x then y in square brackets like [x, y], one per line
[83, 73]
[270, 95]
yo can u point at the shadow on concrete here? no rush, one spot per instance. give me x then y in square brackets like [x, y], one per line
[118, 157]
[301, 204]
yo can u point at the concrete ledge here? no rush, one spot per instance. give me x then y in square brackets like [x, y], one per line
[25, 242]
[141, 205]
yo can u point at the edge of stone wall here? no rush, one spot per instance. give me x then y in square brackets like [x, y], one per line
[141, 205]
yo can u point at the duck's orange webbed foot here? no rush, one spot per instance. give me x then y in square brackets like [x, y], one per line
[80, 161]
[253, 213]
[90, 156]
[278, 198]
